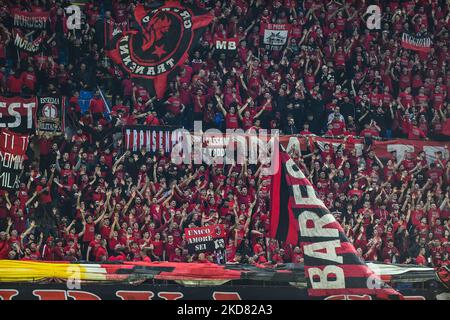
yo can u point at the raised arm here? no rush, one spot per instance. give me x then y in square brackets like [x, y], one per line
[220, 105]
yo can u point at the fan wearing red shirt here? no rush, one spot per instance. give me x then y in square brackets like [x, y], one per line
[258, 248]
[176, 256]
[97, 107]
[43, 189]
[158, 247]
[169, 248]
[152, 119]
[405, 98]
[29, 79]
[89, 231]
[101, 254]
[297, 256]
[94, 245]
[338, 125]
[144, 256]
[248, 119]
[420, 259]
[14, 83]
[231, 118]
[199, 101]
[415, 133]
[174, 105]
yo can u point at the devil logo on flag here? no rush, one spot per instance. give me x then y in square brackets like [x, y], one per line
[162, 41]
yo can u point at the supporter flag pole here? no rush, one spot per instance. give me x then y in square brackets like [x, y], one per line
[105, 101]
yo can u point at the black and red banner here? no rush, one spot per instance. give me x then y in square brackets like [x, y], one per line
[416, 43]
[29, 46]
[31, 20]
[152, 138]
[205, 239]
[164, 37]
[108, 30]
[18, 114]
[51, 114]
[332, 265]
[13, 147]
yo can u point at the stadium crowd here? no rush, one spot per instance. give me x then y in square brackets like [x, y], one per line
[83, 198]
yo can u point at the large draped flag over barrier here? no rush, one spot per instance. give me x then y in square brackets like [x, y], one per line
[165, 35]
[332, 266]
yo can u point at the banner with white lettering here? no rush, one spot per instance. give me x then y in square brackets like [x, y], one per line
[51, 115]
[18, 114]
[205, 239]
[152, 138]
[383, 149]
[29, 46]
[226, 44]
[31, 20]
[417, 43]
[13, 147]
[332, 265]
[275, 35]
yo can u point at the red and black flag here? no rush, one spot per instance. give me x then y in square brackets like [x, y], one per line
[332, 266]
[165, 35]
[13, 148]
[417, 43]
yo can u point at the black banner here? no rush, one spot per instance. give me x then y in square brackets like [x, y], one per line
[14, 291]
[28, 46]
[51, 115]
[152, 138]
